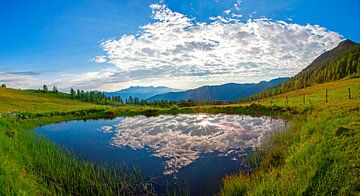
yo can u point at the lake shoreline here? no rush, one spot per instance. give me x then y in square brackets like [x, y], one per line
[28, 121]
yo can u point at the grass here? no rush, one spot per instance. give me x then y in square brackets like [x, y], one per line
[320, 153]
[13, 100]
[31, 165]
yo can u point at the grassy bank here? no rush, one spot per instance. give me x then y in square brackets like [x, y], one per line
[33, 165]
[319, 155]
[30, 165]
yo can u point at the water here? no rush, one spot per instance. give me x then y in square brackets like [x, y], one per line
[193, 149]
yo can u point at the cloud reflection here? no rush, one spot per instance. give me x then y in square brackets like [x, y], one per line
[181, 139]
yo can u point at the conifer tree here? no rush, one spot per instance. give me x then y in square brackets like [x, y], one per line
[45, 88]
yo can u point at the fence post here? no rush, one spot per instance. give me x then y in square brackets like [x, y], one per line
[349, 94]
[326, 98]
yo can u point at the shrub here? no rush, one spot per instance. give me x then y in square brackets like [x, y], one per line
[110, 114]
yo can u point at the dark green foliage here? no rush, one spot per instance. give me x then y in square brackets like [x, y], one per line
[72, 93]
[45, 88]
[341, 131]
[55, 90]
[3, 85]
[342, 61]
[95, 97]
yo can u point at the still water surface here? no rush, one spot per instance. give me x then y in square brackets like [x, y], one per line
[196, 149]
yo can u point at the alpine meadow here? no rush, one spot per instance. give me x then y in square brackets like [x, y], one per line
[199, 97]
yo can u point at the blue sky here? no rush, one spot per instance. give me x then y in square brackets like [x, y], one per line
[81, 43]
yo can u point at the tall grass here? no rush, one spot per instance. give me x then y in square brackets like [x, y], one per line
[33, 165]
[320, 153]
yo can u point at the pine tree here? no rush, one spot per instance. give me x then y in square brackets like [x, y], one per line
[78, 94]
[72, 93]
[45, 88]
[55, 90]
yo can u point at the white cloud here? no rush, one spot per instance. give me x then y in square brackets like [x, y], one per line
[176, 51]
[227, 11]
[20, 79]
[99, 59]
[226, 50]
[181, 139]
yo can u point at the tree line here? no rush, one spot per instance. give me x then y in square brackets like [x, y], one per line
[96, 97]
[101, 98]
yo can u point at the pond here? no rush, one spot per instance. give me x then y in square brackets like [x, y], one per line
[193, 149]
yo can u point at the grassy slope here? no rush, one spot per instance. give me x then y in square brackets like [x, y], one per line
[320, 153]
[32, 101]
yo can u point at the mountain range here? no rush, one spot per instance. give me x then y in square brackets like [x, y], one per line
[141, 92]
[341, 61]
[225, 92]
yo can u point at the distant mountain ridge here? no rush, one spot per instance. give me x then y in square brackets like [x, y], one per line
[225, 92]
[335, 64]
[141, 92]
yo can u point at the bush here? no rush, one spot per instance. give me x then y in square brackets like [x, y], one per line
[150, 112]
[110, 114]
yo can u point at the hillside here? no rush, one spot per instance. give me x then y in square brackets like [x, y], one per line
[225, 92]
[141, 92]
[340, 62]
[14, 100]
[318, 155]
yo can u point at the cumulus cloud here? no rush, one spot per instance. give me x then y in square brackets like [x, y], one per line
[174, 47]
[224, 50]
[182, 139]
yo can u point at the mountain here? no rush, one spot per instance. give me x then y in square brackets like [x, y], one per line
[225, 92]
[141, 92]
[335, 64]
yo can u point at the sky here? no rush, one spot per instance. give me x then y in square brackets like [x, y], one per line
[113, 44]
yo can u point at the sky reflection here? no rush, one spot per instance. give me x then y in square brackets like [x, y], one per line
[181, 139]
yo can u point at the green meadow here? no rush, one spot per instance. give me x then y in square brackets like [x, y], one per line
[318, 154]
[14, 100]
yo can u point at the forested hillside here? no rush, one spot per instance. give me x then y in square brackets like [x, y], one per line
[340, 62]
[225, 92]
